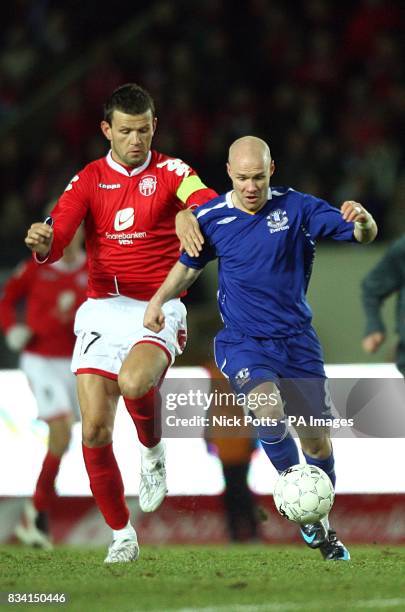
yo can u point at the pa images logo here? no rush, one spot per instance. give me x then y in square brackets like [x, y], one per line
[277, 221]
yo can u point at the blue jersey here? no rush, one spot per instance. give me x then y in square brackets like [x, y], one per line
[265, 259]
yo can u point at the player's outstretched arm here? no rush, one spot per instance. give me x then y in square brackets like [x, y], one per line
[189, 233]
[39, 239]
[365, 229]
[178, 280]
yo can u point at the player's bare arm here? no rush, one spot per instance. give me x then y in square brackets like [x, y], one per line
[188, 232]
[372, 342]
[178, 280]
[365, 229]
[39, 238]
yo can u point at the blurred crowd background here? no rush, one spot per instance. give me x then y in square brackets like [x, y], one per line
[321, 81]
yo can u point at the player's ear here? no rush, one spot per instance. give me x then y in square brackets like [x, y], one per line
[228, 169]
[106, 129]
[154, 124]
[272, 167]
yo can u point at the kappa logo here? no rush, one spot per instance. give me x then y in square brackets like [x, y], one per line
[109, 185]
[147, 185]
[277, 221]
[177, 166]
[71, 182]
[124, 219]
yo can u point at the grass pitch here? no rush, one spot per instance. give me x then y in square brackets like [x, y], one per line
[237, 578]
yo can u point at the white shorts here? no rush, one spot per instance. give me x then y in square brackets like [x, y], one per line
[53, 385]
[108, 328]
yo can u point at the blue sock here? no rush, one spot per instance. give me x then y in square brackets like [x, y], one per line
[327, 465]
[279, 446]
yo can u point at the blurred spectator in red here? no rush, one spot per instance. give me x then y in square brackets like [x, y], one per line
[42, 333]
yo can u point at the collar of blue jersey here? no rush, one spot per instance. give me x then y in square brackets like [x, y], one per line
[230, 204]
[116, 166]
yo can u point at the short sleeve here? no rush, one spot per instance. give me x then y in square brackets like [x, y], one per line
[325, 221]
[198, 263]
[207, 254]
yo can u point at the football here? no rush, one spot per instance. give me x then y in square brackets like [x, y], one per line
[303, 494]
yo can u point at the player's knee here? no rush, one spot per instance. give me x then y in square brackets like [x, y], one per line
[270, 409]
[59, 435]
[134, 385]
[63, 442]
[95, 434]
[59, 447]
[264, 401]
[318, 448]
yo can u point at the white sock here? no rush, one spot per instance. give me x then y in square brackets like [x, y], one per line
[126, 533]
[325, 522]
[151, 454]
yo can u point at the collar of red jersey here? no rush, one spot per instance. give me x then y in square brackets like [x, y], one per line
[116, 166]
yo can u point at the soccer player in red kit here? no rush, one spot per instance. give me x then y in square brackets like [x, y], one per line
[44, 338]
[128, 201]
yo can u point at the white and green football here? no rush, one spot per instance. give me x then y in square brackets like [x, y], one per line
[303, 494]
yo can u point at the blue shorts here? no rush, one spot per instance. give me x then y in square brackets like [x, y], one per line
[295, 364]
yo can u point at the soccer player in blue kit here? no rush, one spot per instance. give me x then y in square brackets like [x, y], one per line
[264, 239]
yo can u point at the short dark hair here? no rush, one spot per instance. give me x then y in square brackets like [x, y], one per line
[130, 99]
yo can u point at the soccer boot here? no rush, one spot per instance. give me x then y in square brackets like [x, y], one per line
[152, 486]
[33, 529]
[333, 549]
[314, 535]
[123, 551]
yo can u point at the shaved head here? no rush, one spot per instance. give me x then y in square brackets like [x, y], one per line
[249, 147]
[250, 167]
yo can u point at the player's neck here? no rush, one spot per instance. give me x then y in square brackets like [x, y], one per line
[238, 204]
[73, 258]
[117, 164]
[122, 164]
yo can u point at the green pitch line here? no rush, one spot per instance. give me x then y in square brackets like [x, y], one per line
[238, 578]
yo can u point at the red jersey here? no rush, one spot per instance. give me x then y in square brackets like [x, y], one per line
[52, 294]
[129, 220]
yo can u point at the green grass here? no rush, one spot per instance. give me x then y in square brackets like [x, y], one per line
[244, 578]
